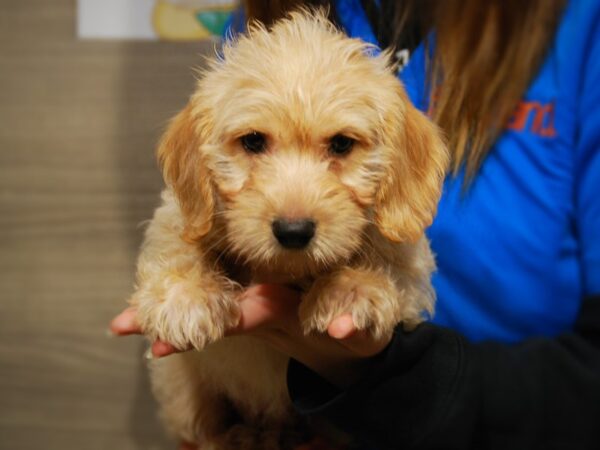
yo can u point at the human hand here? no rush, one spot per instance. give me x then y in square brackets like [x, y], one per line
[271, 313]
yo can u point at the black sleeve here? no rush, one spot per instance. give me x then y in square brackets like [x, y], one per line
[431, 389]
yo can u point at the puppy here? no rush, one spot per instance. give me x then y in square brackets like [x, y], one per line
[298, 160]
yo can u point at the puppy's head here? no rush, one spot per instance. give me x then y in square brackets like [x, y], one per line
[297, 139]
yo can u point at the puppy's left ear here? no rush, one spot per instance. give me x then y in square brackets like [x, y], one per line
[417, 161]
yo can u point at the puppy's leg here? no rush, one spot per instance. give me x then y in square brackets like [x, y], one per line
[180, 299]
[196, 407]
[376, 301]
[190, 407]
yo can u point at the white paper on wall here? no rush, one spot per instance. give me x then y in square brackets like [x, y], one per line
[152, 19]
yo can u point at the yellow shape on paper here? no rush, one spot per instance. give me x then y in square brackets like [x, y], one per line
[177, 23]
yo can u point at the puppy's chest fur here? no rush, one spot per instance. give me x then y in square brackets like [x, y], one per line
[246, 275]
[249, 373]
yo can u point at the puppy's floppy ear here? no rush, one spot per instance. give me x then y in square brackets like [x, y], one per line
[186, 172]
[417, 160]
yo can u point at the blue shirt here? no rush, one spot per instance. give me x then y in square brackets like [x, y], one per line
[519, 250]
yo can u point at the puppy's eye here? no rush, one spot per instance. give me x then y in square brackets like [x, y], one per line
[254, 142]
[341, 145]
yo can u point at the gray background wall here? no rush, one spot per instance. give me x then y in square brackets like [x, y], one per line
[78, 125]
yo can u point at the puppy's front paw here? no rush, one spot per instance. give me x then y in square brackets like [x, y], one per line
[185, 313]
[371, 297]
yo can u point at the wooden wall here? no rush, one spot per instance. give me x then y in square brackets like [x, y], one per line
[78, 124]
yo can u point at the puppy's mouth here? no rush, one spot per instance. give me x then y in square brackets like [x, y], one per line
[294, 234]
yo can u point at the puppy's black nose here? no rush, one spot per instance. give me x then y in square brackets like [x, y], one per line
[293, 233]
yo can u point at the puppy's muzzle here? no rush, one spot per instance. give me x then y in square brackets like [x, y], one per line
[294, 234]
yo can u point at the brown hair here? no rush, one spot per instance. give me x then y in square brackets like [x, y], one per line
[486, 54]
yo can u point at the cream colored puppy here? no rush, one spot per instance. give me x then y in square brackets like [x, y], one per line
[298, 160]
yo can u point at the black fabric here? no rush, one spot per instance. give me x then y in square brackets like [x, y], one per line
[383, 16]
[333, 15]
[374, 16]
[431, 389]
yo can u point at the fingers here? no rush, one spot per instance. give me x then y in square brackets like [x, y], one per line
[160, 349]
[266, 304]
[125, 323]
[360, 342]
[261, 305]
[271, 306]
[342, 327]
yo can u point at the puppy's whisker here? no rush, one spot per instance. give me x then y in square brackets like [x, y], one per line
[223, 252]
[366, 236]
[206, 251]
[220, 213]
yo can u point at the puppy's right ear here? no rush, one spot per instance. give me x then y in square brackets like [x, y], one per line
[186, 172]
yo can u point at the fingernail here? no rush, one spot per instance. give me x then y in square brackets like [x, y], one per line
[109, 333]
[148, 354]
[342, 327]
[120, 321]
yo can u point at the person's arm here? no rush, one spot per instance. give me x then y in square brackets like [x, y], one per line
[431, 389]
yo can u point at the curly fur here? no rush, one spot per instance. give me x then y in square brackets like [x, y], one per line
[299, 84]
